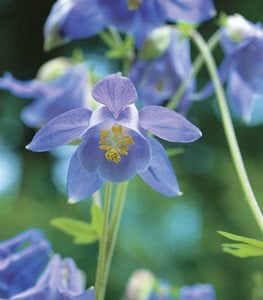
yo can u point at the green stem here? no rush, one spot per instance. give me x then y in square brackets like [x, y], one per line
[229, 130]
[197, 65]
[100, 284]
[114, 225]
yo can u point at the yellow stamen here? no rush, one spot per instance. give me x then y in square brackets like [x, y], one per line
[115, 142]
[113, 155]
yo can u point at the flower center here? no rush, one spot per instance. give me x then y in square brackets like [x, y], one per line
[115, 142]
[134, 4]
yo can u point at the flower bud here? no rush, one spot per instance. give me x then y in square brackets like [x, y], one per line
[53, 69]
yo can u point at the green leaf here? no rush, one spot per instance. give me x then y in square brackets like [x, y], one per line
[247, 248]
[242, 250]
[107, 39]
[82, 232]
[96, 218]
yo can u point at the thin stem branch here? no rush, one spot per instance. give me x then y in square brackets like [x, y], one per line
[100, 284]
[229, 130]
[197, 65]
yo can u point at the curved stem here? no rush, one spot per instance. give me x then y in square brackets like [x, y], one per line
[100, 284]
[197, 65]
[229, 130]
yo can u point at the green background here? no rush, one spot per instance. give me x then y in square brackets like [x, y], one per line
[174, 238]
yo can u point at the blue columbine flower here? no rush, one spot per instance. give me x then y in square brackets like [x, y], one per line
[242, 69]
[197, 292]
[22, 259]
[157, 79]
[242, 42]
[115, 145]
[51, 97]
[62, 280]
[84, 18]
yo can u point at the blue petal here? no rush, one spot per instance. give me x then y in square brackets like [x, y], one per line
[61, 281]
[84, 20]
[61, 130]
[72, 20]
[24, 257]
[197, 292]
[89, 152]
[81, 183]
[116, 92]
[26, 89]
[137, 160]
[189, 11]
[168, 124]
[138, 23]
[248, 60]
[240, 96]
[160, 174]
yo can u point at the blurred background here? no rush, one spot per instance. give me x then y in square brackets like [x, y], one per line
[174, 238]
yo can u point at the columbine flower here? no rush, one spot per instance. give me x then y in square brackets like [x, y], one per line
[22, 259]
[51, 96]
[62, 280]
[157, 79]
[115, 145]
[243, 45]
[242, 69]
[197, 292]
[84, 18]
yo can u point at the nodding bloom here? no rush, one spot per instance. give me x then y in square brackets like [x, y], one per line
[84, 18]
[114, 142]
[52, 94]
[22, 259]
[157, 79]
[197, 292]
[242, 68]
[61, 280]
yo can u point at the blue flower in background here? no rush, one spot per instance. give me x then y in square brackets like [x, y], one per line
[115, 145]
[158, 79]
[242, 42]
[242, 69]
[84, 18]
[62, 280]
[197, 292]
[52, 97]
[23, 258]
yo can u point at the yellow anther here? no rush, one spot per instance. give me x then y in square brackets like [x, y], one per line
[113, 155]
[123, 152]
[105, 147]
[115, 142]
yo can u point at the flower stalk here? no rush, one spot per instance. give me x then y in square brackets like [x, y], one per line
[229, 129]
[100, 284]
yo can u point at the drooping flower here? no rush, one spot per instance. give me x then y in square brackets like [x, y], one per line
[115, 145]
[52, 95]
[242, 69]
[62, 280]
[243, 44]
[84, 18]
[22, 259]
[197, 292]
[157, 79]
